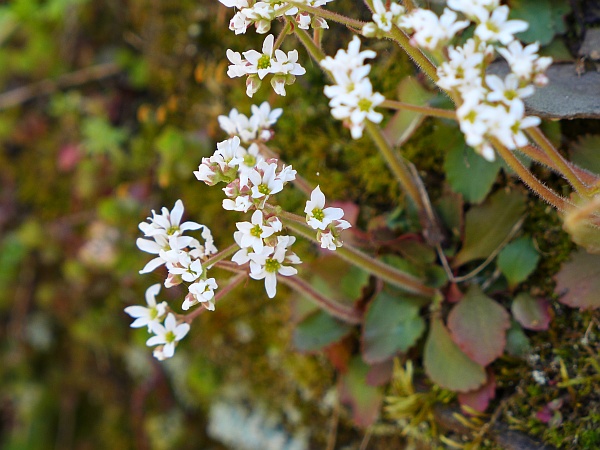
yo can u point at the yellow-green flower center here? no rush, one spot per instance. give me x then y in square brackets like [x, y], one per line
[364, 104]
[272, 265]
[318, 214]
[256, 230]
[172, 230]
[264, 189]
[170, 336]
[264, 62]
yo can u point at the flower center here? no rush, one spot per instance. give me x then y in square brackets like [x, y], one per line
[172, 230]
[264, 189]
[170, 336]
[364, 104]
[256, 231]
[249, 160]
[318, 214]
[272, 265]
[264, 62]
[153, 313]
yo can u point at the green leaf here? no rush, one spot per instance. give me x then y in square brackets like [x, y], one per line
[450, 209]
[478, 325]
[404, 123]
[469, 174]
[518, 260]
[447, 365]
[538, 14]
[489, 224]
[365, 400]
[531, 313]
[578, 281]
[517, 342]
[392, 325]
[317, 331]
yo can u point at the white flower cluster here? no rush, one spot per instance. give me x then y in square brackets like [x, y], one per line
[352, 98]
[183, 256]
[257, 127]
[489, 106]
[262, 13]
[257, 66]
[327, 221]
[383, 19]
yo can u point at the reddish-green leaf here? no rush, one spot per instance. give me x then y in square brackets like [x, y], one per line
[365, 400]
[488, 225]
[447, 365]
[319, 330]
[578, 282]
[532, 313]
[479, 399]
[392, 325]
[478, 325]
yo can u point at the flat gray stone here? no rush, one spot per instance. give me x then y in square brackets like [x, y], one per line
[567, 95]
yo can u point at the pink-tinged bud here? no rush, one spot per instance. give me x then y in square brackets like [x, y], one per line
[540, 80]
[173, 280]
[206, 172]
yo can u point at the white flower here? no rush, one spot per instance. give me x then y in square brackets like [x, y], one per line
[267, 264]
[201, 292]
[285, 68]
[189, 270]
[507, 90]
[345, 61]
[431, 31]
[168, 222]
[264, 180]
[317, 216]
[161, 244]
[254, 232]
[152, 314]
[524, 62]
[238, 67]
[168, 335]
[260, 63]
[330, 238]
[498, 28]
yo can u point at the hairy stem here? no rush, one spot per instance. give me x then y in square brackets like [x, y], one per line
[284, 32]
[330, 15]
[557, 159]
[395, 163]
[398, 278]
[426, 110]
[532, 182]
[222, 292]
[420, 59]
[345, 313]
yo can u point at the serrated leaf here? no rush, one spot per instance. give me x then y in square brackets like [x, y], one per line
[489, 224]
[578, 281]
[586, 152]
[479, 399]
[317, 331]
[478, 325]
[364, 400]
[469, 174]
[447, 365]
[518, 260]
[392, 325]
[517, 342]
[532, 313]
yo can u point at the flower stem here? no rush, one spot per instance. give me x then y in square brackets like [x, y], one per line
[221, 255]
[329, 15]
[284, 32]
[422, 61]
[398, 278]
[222, 292]
[343, 312]
[532, 182]
[395, 163]
[426, 110]
[559, 162]
[541, 157]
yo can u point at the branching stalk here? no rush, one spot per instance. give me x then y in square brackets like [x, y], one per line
[426, 110]
[398, 278]
[221, 255]
[532, 182]
[561, 165]
[329, 15]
